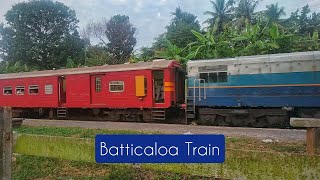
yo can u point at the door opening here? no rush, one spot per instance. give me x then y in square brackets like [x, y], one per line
[158, 86]
[62, 90]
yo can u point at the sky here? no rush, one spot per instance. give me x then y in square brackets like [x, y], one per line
[150, 17]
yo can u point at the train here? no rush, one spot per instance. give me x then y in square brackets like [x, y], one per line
[250, 91]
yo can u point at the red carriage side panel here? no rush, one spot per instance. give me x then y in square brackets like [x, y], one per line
[120, 95]
[78, 91]
[117, 86]
[29, 92]
[108, 90]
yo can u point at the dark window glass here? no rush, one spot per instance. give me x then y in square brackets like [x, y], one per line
[213, 77]
[7, 90]
[204, 76]
[222, 77]
[20, 90]
[33, 89]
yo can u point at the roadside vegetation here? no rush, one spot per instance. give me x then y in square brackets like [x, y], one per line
[52, 156]
[33, 167]
[231, 143]
[233, 28]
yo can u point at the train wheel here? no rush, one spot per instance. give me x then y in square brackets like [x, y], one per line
[205, 119]
[261, 122]
[277, 121]
[221, 121]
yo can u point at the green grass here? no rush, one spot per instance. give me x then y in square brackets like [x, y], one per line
[245, 158]
[232, 143]
[70, 132]
[33, 167]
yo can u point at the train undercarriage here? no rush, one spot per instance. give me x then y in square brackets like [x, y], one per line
[233, 117]
[253, 117]
[169, 115]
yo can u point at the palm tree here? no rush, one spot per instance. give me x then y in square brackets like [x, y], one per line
[274, 12]
[221, 14]
[245, 10]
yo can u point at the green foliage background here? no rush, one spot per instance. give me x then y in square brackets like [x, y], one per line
[43, 34]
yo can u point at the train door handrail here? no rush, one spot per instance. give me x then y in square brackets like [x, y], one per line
[59, 92]
[204, 89]
[199, 89]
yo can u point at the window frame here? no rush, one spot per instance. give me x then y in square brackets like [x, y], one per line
[5, 89]
[217, 75]
[29, 88]
[110, 84]
[20, 87]
[98, 87]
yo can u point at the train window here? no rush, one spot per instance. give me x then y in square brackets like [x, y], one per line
[213, 77]
[98, 84]
[7, 90]
[48, 89]
[222, 77]
[204, 76]
[116, 86]
[20, 90]
[33, 89]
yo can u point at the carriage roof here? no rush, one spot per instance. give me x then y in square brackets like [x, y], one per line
[281, 57]
[156, 64]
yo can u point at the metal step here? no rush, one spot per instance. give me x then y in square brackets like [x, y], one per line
[158, 118]
[158, 114]
[191, 116]
[62, 112]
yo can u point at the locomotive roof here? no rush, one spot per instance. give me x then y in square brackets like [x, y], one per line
[156, 64]
[280, 57]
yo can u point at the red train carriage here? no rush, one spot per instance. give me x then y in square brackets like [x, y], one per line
[136, 92]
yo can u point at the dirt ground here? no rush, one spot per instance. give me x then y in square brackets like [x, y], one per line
[281, 135]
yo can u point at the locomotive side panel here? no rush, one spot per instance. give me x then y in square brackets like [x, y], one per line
[223, 91]
[254, 83]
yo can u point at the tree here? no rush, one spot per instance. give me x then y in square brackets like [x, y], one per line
[120, 33]
[209, 46]
[146, 54]
[274, 12]
[304, 19]
[222, 13]
[160, 42]
[173, 52]
[41, 34]
[245, 10]
[179, 29]
[97, 56]
[256, 39]
[3, 46]
[96, 30]
[302, 22]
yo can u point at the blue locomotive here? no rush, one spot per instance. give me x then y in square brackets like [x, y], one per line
[257, 91]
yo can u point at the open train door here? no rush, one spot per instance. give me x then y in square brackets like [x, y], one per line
[62, 90]
[158, 86]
